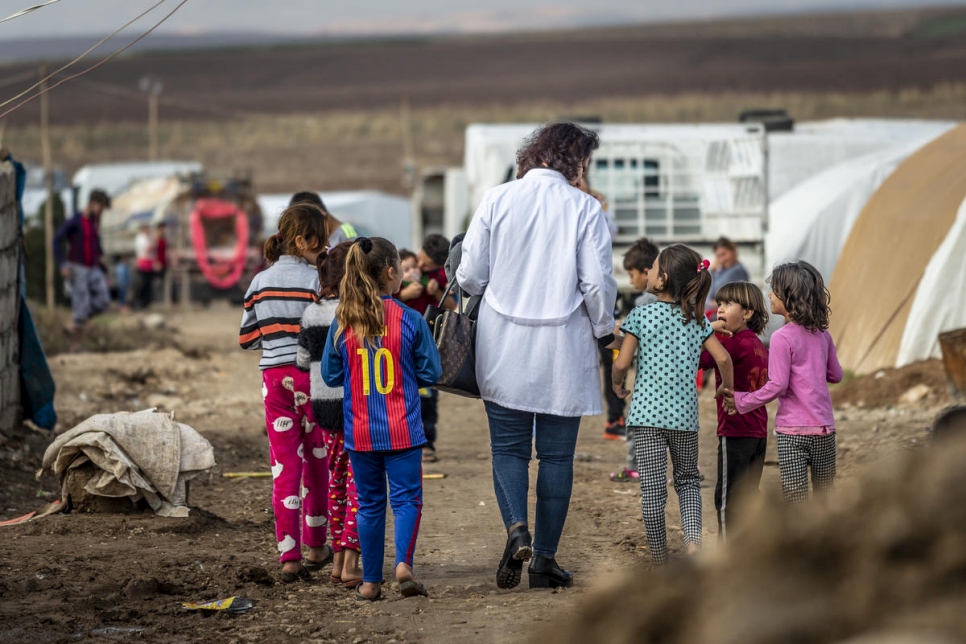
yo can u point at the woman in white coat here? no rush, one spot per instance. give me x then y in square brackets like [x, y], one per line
[539, 251]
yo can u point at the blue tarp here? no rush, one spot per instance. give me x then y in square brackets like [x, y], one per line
[37, 387]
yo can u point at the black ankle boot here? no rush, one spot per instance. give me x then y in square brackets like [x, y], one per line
[518, 549]
[545, 573]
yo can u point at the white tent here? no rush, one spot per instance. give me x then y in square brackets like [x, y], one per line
[940, 302]
[901, 277]
[814, 147]
[812, 220]
[371, 212]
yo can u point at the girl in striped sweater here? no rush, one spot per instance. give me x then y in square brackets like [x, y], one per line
[274, 304]
[327, 407]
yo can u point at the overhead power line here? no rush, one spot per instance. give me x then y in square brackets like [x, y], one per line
[24, 12]
[79, 58]
[95, 65]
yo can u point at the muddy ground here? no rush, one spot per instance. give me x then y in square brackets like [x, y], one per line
[65, 576]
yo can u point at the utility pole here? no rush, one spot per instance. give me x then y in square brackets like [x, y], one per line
[409, 145]
[152, 87]
[49, 184]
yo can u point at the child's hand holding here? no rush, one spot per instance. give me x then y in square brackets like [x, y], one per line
[718, 326]
[727, 400]
[621, 392]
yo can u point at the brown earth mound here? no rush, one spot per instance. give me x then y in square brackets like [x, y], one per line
[886, 557]
[888, 387]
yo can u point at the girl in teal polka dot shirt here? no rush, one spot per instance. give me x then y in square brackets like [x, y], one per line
[667, 338]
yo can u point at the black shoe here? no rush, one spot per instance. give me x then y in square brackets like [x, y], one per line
[545, 573]
[519, 548]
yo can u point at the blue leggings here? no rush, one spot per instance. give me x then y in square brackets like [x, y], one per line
[403, 469]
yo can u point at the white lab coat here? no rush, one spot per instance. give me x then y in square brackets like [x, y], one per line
[540, 251]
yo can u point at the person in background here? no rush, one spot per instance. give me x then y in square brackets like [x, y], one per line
[161, 246]
[122, 281]
[614, 429]
[410, 268]
[724, 270]
[742, 439]
[274, 305]
[83, 267]
[637, 262]
[327, 406]
[419, 295]
[336, 231]
[146, 262]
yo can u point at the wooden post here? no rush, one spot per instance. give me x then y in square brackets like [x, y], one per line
[153, 125]
[409, 145]
[49, 184]
[953, 346]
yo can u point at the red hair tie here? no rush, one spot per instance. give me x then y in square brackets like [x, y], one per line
[703, 266]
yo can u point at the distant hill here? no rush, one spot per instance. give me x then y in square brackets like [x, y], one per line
[235, 74]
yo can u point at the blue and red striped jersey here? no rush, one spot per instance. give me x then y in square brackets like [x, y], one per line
[381, 382]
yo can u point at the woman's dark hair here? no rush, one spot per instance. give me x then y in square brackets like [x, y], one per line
[686, 280]
[302, 219]
[563, 147]
[360, 303]
[749, 297]
[307, 196]
[641, 255]
[331, 266]
[437, 247]
[802, 291]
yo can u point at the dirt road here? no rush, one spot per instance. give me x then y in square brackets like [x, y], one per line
[65, 576]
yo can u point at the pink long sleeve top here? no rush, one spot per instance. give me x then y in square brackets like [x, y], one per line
[800, 364]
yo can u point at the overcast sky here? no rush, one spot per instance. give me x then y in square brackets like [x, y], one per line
[310, 17]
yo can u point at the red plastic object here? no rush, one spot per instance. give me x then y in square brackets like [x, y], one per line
[224, 273]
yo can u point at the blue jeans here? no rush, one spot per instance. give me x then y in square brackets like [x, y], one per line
[403, 469]
[512, 434]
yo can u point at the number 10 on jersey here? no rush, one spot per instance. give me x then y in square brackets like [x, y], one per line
[384, 371]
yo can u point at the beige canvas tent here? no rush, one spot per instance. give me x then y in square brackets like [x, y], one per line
[901, 277]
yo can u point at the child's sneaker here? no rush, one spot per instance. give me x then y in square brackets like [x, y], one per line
[625, 476]
[615, 431]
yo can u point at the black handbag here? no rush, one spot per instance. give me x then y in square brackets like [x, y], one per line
[455, 336]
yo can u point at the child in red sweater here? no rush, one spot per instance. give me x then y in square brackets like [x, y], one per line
[742, 439]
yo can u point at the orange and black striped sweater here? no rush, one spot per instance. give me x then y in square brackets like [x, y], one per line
[274, 304]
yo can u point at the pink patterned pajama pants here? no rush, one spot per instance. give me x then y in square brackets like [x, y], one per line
[300, 466]
[343, 503]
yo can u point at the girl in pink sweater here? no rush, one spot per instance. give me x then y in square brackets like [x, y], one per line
[801, 363]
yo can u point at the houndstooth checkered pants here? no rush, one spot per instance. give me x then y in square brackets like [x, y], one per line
[795, 455]
[651, 447]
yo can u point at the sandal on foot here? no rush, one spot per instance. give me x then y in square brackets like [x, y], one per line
[314, 566]
[351, 584]
[291, 577]
[335, 579]
[412, 588]
[429, 456]
[362, 598]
